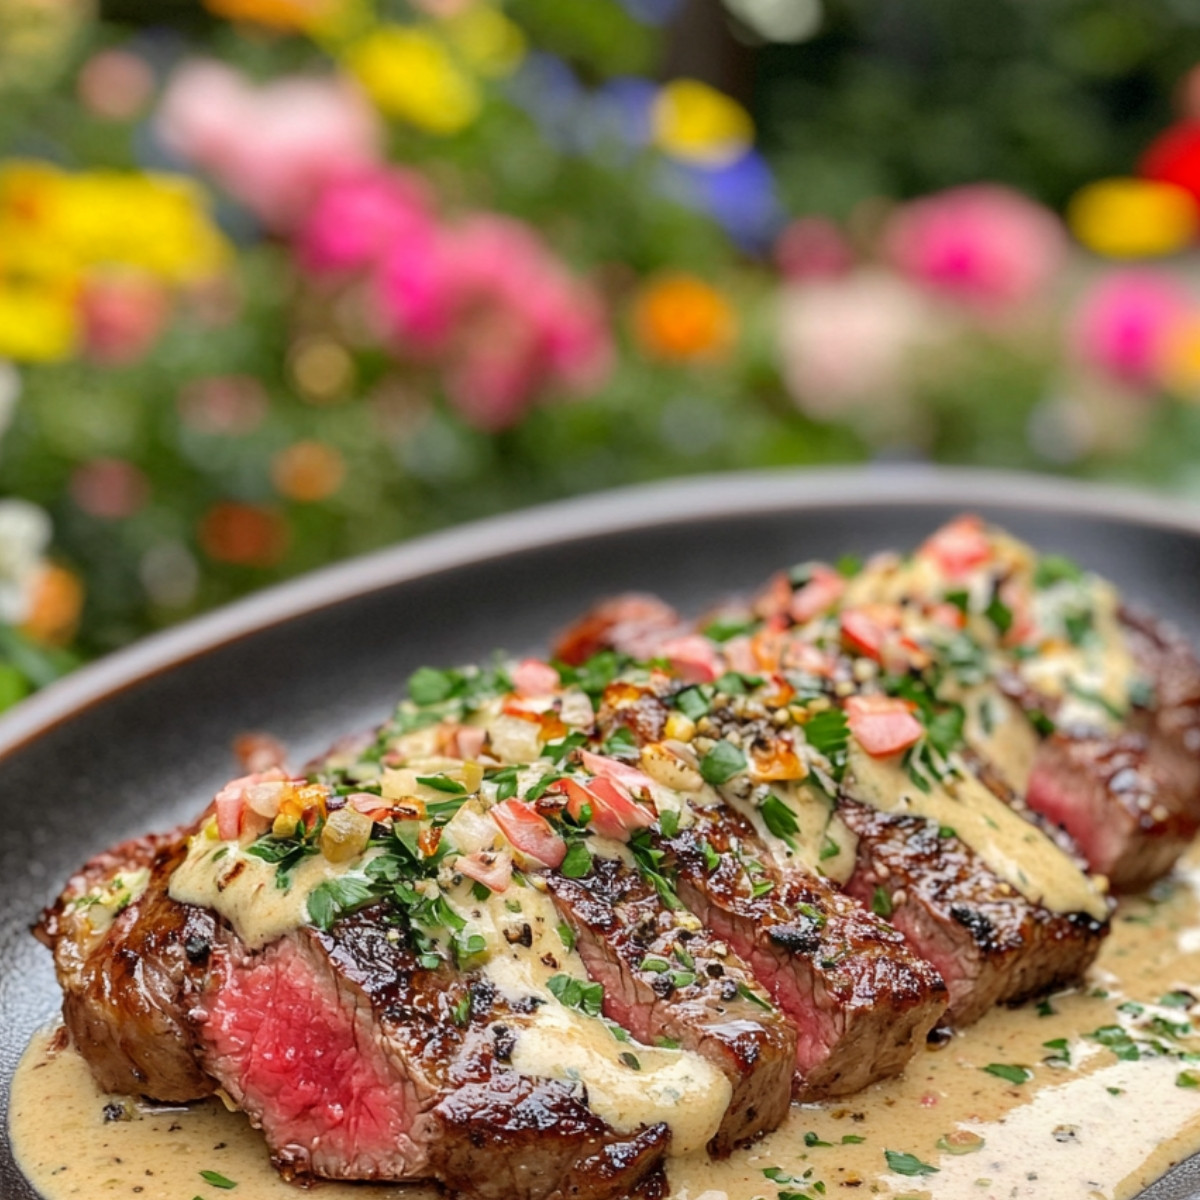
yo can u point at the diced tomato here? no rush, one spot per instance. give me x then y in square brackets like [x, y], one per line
[949, 615]
[960, 547]
[799, 655]
[882, 725]
[468, 741]
[739, 654]
[610, 768]
[369, 805]
[615, 813]
[529, 832]
[862, 633]
[775, 598]
[532, 677]
[230, 801]
[693, 658]
[523, 714]
[822, 591]
[493, 870]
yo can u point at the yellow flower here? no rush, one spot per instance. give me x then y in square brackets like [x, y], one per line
[680, 318]
[1133, 218]
[696, 123]
[55, 223]
[487, 40]
[411, 75]
[38, 319]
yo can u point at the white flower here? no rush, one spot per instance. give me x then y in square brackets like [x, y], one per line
[25, 532]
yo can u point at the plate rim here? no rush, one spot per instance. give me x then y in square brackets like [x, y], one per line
[685, 500]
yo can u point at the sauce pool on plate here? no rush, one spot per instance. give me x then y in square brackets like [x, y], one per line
[1091, 1095]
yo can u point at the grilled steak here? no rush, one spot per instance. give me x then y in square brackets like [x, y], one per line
[861, 1001]
[125, 974]
[988, 942]
[550, 924]
[664, 978]
[339, 1046]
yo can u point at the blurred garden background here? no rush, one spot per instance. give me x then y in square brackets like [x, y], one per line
[282, 281]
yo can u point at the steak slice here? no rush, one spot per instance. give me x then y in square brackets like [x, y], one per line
[125, 975]
[1114, 802]
[990, 944]
[343, 1050]
[861, 1001]
[665, 976]
[1171, 721]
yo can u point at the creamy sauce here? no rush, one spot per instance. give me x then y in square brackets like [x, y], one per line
[242, 888]
[674, 1086]
[1016, 850]
[822, 841]
[1096, 1128]
[1002, 734]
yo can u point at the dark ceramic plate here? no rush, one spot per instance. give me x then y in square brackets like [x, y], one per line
[142, 739]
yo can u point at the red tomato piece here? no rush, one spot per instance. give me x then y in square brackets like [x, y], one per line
[611, 768]
[882, 725]
[615, 813]
[532, 677]
[862, 633]
[960, 547]
[693, 658]
[529, 832]
[494, 871]
[822, 591]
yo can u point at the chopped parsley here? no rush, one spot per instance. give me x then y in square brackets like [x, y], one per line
[1055, 568]
[693, 702]
[578, 860]
[881, 902]
[722, 763]
[828, 733]
[585, 997]
[217, 1180]
[780, 820]
[907, 1164]
[1012, 1072]
[334, 898]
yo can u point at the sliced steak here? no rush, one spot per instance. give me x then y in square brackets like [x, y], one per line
[990, 944]
[126, 978]
[1171, 721]
[338, 1046]
[861, 1001]
[666, 978]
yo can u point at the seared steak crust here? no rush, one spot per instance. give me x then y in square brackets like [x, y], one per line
[990, 944]
[663, 979]
[339, 1046]
[861, 1001]
[126, 990]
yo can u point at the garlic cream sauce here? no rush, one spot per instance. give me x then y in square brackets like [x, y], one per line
[1085, 1125]
[1019, 852]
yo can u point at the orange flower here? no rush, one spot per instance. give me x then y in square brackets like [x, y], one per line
[275, 14]
[55, 608]
[680, 318]
[246, 535]
[308, 471]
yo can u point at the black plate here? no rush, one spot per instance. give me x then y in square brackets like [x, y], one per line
[142, 739]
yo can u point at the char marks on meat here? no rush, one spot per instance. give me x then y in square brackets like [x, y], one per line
[770, 851]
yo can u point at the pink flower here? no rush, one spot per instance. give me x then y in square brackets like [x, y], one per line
[121, 316]
[984, 244]
[813, 248]
[489, 300]
[274, 146]
[358, 218]
[851, 343]
[1125, 322]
